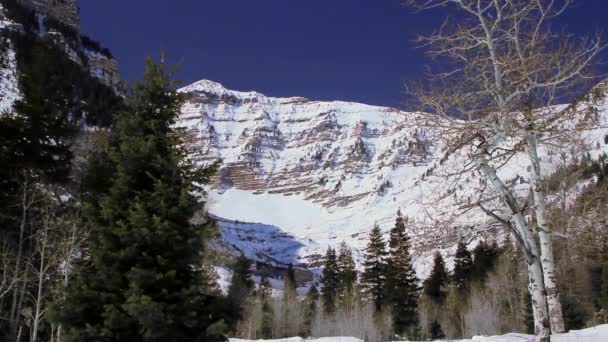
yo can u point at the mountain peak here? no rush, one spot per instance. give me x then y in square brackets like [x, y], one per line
[216, 88]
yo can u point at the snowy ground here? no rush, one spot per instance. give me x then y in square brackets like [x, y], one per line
[595, 334]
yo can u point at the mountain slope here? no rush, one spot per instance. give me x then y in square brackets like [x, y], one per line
[326, 172]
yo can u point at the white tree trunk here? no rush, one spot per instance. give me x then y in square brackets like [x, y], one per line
[42, 273]
[535, 273]
[15, 305]
[546, 247]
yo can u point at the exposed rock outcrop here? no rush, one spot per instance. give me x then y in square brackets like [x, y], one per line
[65, 11]
[326, 172]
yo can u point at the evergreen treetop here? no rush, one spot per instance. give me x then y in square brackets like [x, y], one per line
[485, 257]
[402, 288]
[463, 267]
[373, 277]
[435, 286]
[289, 280]
[331, 283]
[347, 272]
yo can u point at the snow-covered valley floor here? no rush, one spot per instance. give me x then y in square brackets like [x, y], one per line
[595, 334]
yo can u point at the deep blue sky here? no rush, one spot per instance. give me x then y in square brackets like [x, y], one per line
[354, 50]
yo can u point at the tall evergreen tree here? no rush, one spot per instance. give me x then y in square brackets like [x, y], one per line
[527, 314]
[241, 287]
[435, 286]
[35, 156]
[373, 277]
[290, 297]
[347, 275]
[485, 257]
[289, 281]
[401, 280]
[144, 278]
[463, 267]
[264, 293]
[331, 282]
[312, 298]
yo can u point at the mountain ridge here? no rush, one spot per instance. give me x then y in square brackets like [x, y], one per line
[326, 172]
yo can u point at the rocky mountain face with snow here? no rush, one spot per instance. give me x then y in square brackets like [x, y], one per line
[299, 175]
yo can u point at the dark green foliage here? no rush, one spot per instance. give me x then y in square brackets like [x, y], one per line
[463, 267]
[312, 298]
[528, 315]
[435, 286]
[87, 99]
[241, 286]
[289, 281]
[373, 277]
[347, 274]
[485, 257]
[598, 278]
[290, 296]
[402, 290]
[603, 288]
[436, 332]
[144, 278]
[38, 133]
[35, 154]
[575, 315]
[264, 293]
[331, 283]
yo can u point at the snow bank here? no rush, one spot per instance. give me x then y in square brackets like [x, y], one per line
[595, 334]
[299, 339]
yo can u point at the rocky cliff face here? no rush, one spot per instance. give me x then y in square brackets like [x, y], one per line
[64, 32]
[66, 11]
[325, 172]
[104, 68]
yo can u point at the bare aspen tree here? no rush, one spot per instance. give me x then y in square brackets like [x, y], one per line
[42, 264]
[503, 72]
[7, 281]
[29, 197]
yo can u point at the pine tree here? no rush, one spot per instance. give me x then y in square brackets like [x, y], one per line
[373, 277]
[241, 287]
[144, 278]
[290, 296]
[37, 134]
[528, 315]
[264, 293]
[347, 275]
[312, 298]
[485, 257]
[35, 156]
[436, 331]
[330, 282]
[603, 295]
[289, 281]
[463, 267]
[401, 281]
[436, 284]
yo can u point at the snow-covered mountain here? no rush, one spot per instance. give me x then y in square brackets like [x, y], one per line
[299, 175]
